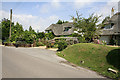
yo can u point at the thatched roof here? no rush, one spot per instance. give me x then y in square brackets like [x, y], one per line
[58, 29]
[116, 28]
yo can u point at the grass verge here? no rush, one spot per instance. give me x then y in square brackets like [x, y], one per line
[94, 57]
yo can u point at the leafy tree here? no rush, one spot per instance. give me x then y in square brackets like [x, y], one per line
[59, 22]
[28, 37]
[49, 35]
[66, 22]
[40, 35]
[87, 26]
[31, 30]
[5, 28]
[17, 32]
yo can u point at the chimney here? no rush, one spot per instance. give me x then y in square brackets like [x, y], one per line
[112, 11]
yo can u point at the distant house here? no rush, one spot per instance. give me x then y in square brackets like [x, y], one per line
[112, 29]
[58, 30]
[62, 31]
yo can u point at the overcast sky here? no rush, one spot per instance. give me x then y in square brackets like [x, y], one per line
[41, 14]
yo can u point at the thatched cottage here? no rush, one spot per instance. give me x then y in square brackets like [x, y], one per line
[111, 31]
[64, 29]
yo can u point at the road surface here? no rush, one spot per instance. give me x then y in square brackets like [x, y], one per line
[38, 63]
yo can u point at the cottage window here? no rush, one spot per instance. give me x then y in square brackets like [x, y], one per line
[67, 28]
[109, 26]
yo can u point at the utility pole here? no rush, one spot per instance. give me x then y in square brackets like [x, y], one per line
[10, 23]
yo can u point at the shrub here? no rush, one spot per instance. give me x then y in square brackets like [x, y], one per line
[56, 41]
[55, 45]
[48, 45]
[62, 45]
[39, 44]
[75, 35]
[21, 44]
[81, 40]
[49, 36]
[112, 41]
[13, 42]
[70, 42]
[116, 42]
[75, 42]
[7, 43]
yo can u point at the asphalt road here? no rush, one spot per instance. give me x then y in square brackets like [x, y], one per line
[38, 63]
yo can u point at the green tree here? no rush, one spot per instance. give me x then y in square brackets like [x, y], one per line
[66, 21]
[59, 22]
[49, 35]
[40, 35]
[87, 26]
[30, 28]
[5, 28]
[17, 32]
[29, 37]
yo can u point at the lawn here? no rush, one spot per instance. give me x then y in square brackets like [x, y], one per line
[95, 57]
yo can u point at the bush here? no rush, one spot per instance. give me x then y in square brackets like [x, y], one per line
[55, 45]
[116, 42]
[112, 41]
[48, 45]
[62, 45]
[7, 43]
[81, 40]
[70, 42]
[75, 35]
[39, 44]
[13, 42]
[49, 36]
[21, 44]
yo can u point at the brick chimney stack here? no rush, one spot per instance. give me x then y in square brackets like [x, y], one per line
[112, 11]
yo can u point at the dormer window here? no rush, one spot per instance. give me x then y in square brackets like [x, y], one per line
[109, 26]
[67, 28]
